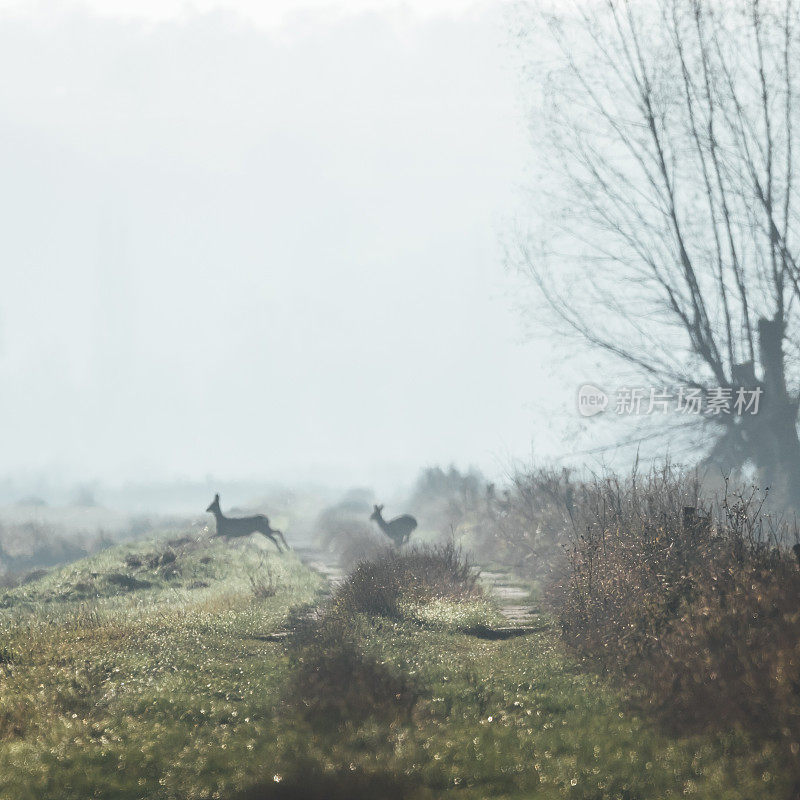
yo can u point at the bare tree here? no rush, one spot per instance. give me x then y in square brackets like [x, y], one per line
[671, 240]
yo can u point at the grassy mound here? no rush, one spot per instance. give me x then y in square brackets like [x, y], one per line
[145, 569]
[123, 681]
[432, 584]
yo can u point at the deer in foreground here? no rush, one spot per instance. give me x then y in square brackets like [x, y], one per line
[397, 529]
[243, 526]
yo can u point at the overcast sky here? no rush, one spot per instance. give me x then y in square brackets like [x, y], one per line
[262, 240]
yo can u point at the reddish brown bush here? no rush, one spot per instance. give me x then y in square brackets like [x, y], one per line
[697, 609]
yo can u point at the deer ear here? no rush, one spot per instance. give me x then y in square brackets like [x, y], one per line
[216, 497]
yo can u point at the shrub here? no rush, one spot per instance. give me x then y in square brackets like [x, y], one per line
[696, 608]
[525, 523]
[421, 573]
[337, 681]
[6, 655]
[14, 718]
[264, 586]
[344, 529]
[449, 500]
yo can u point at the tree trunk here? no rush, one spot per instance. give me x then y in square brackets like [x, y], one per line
[772, 433]
[769, 439]
[775, 450]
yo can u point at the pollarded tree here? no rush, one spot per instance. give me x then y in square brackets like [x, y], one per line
[671, 236]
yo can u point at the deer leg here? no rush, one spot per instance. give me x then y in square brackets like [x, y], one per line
[283, 540]
[273, 540]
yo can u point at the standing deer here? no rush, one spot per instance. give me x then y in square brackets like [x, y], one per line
[243, 526]
[397, 529]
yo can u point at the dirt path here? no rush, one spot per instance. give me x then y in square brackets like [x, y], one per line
[511, 596]
[322, 562]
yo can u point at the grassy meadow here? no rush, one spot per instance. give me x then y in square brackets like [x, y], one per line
[153, 670]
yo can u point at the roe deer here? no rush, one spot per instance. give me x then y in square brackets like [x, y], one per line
[397, 529]
[243, 526]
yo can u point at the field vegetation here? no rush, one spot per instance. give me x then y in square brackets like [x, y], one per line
[662, 662]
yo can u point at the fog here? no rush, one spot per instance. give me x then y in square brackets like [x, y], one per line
[263, 244]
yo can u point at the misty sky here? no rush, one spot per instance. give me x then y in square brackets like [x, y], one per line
[262, 240]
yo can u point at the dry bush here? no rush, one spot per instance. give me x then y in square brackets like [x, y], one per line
[15, 717]
[344, 530]
[361, 542]
[698, 609]
[263, 585]
[420, 573]
[336, 681]
[448, 500]
[524, 524]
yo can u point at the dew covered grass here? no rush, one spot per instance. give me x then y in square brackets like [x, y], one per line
[447, 614]
[516, 718]
[170, 690]
[159, 690]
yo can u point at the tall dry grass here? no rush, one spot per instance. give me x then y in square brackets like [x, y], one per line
[420, 573]
[693, 601]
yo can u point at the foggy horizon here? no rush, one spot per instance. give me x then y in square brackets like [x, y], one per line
[240, 257]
